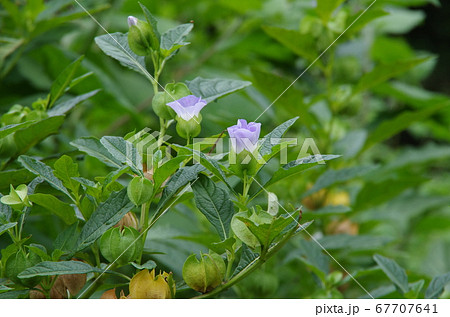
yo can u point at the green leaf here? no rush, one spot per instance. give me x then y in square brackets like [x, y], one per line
[326, 7]
[67, 239]
[164, 171]
[116, 46]
[393, 126]
[212, 89]
[33, 134]
[215, 203]
[44, 171]
[48, 268]
[65, 106]
[304, 45]
[63, 81]
[123, 151]
[93, 147]
[394, 271]
[7, 130]
[104, 217]
[56, 206]
[5, 227]
[177, 181]
[363, 20]
[173, 39]
[65, 169]
[5, 212]
[247, 259]
[149, 265]
[14, 294]
[414, 289]
[298, 166]
[354, 243]
[211, 165]
[383, 72]
[151, 20]
[399, 20]
[269, 141]
[437, 285]
[332, 177]
[15, 177]
[267, 232]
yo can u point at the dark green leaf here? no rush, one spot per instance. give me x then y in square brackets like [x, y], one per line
[63, 81]
[394, 271]
[56, 206]
[298, 166]
[65, 106]
[94, 148]
[33, 134]
[391, 127]
[437, 285]
[5, 227]
[164, 171]
[149, 265]
[65, 169]
[116, 46]
[7, 130]
[104, 217]
[215, 203]
[44, 171]
[48, 268]
[270, 140]
[123, 151]
[247, 259]
[384, 72]
[177, 181]
[212, 89]
[173, 39]
[67, 239]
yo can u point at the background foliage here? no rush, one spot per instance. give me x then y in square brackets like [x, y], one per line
[377, 97]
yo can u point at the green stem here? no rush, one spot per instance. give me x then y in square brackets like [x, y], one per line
[229, 265]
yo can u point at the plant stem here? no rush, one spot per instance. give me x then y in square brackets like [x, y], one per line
[251, 267]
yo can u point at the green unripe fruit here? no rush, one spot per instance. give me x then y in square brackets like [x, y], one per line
[140, 190]
[161, 99]
[17, 263]
[140, 38]
[243, 232]
[205, 274]
[189, 129]
[116, 241]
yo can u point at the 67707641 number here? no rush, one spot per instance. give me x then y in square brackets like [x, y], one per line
[406, 308]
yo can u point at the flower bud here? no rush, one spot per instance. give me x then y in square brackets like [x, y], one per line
[145, 285]
[140, 37]
[122, 246]
[140, 190]
[206, 274]
[17, 198]
[172, 92]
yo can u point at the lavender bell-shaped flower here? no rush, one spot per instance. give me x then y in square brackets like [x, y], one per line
[244, 136]
[244, 144]
[188, 115]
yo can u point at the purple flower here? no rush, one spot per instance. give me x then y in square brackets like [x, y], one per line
[132, 21]
[244, 135]
[188, 107]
